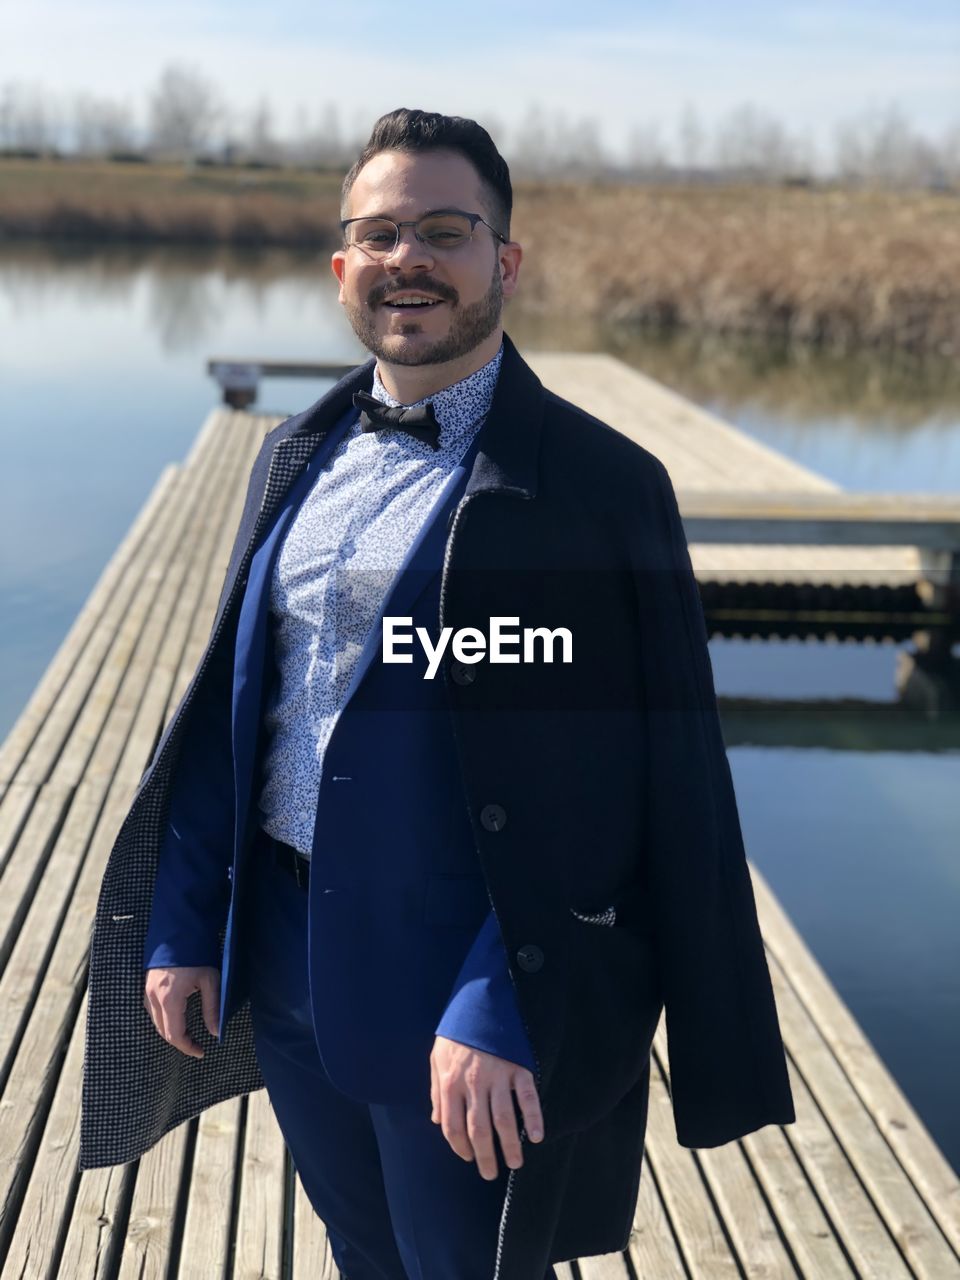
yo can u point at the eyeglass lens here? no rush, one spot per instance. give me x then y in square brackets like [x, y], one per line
[378, 236]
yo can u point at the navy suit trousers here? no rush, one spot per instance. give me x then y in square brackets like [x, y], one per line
[397, 1201]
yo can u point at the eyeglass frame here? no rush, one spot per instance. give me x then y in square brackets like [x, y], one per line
[414, 222]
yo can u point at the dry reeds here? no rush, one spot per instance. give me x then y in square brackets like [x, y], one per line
[833, 268]
[255, 220]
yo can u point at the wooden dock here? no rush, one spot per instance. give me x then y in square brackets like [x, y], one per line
[856, 1187]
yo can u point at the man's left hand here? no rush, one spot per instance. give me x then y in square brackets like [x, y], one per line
[468, 1090]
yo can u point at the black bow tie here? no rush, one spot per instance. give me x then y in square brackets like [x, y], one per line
[419, 422]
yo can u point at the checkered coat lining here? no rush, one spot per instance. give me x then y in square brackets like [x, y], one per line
[136, 1086]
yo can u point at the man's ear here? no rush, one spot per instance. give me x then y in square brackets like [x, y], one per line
[510, 258]
[338, 265]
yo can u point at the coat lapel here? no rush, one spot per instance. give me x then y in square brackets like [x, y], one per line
[509, 440]
[291, 452]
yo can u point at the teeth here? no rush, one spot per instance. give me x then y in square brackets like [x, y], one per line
[411, 302]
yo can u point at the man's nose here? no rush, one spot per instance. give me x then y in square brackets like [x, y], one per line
[409, 253]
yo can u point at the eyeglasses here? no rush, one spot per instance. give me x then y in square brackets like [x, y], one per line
[441, 229]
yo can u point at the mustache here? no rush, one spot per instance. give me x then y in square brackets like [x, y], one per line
[423, 284]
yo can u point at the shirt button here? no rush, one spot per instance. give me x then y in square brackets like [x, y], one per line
[462, 672]
[347, 548]
[530, 958]
[493, 817]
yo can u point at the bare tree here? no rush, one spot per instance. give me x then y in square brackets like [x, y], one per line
[950, 154]
[646, 157]
[28, 118]
[579, 148]
[184, 111]
[750, 143]
[262, 144]
[531, 150]
[320, 145]
[882, 148]
[691, 138]
[101, 126]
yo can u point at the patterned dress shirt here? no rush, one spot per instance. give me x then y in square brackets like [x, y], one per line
[333, 572]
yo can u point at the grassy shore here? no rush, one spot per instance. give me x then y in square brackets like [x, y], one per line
[839, 269]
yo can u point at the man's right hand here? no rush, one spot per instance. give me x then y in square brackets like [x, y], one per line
[165, 996]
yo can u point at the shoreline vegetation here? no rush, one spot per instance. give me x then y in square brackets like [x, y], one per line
[829, 267]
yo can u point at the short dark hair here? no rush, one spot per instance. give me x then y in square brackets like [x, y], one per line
[409, 129]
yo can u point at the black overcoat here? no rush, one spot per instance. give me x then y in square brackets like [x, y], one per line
[611, 786]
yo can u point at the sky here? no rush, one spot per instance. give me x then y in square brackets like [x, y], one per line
[625, 65]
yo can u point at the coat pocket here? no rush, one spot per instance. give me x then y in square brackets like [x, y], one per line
[607, 916]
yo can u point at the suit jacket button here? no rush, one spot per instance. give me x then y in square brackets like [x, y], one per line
[530, 958]
[462, 672]
[493, 817]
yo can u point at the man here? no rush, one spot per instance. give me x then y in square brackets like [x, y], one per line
[439, 917]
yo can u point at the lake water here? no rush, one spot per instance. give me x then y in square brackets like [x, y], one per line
[102, 382]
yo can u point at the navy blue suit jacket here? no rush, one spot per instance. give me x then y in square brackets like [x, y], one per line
[393, 852]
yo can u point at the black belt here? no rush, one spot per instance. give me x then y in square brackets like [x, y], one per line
[289, 859]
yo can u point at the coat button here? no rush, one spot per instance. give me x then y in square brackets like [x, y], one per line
[530, 958]
[462, 672]
[493, 818]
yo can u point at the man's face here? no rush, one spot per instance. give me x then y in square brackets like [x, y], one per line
[468, 284]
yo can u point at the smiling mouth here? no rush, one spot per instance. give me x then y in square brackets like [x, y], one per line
[412, 304]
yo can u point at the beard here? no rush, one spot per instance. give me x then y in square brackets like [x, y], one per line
[469, 326]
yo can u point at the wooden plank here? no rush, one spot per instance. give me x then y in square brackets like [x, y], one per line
[702, 452]
[58, 725]
[653, 1250]
[285, 368]
[242, 434]
[15, 806]
[20, 738]
[149, 1238]
[26, 1088]
[91, 1239]
[260, 1221]
[889, 1109]
[699, 449]
[53, 1179]
[34, 859]
[206, 1232]
[853, 1216]
[96, 1223]
[841, 519]
[35, 852]
[808, 1231]
[141, 631]
[744, 1210]
[699, 1233]
[311, 1248]
[48, 1019]
[187, 634]
[72, 724]
[171, 619]
[604, 1266]
[861, 1181]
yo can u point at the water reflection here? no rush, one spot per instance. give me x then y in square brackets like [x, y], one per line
[879, 391]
